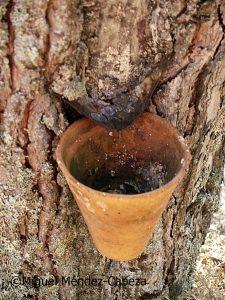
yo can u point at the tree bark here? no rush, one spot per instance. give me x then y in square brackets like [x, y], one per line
[57, 52]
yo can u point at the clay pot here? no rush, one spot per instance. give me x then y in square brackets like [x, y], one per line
[121, 225]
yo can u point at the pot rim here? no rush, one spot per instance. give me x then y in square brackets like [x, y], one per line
[177, 178]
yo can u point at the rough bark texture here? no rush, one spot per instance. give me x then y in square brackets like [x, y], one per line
[55, 51]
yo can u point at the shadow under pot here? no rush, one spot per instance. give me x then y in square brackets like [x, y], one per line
[122, 181]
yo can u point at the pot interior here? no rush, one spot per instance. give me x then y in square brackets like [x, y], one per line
[138, 159]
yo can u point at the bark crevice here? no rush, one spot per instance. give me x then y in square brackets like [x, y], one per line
[11, 44]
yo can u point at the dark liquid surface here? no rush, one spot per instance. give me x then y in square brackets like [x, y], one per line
[137, 180]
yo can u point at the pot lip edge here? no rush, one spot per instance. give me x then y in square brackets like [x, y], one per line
[176, 179]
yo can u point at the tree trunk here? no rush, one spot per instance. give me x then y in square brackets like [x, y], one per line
[56, 52]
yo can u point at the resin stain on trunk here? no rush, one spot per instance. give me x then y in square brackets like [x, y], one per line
[121, 107]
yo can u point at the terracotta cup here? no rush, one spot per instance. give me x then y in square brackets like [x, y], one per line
[121, 225]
